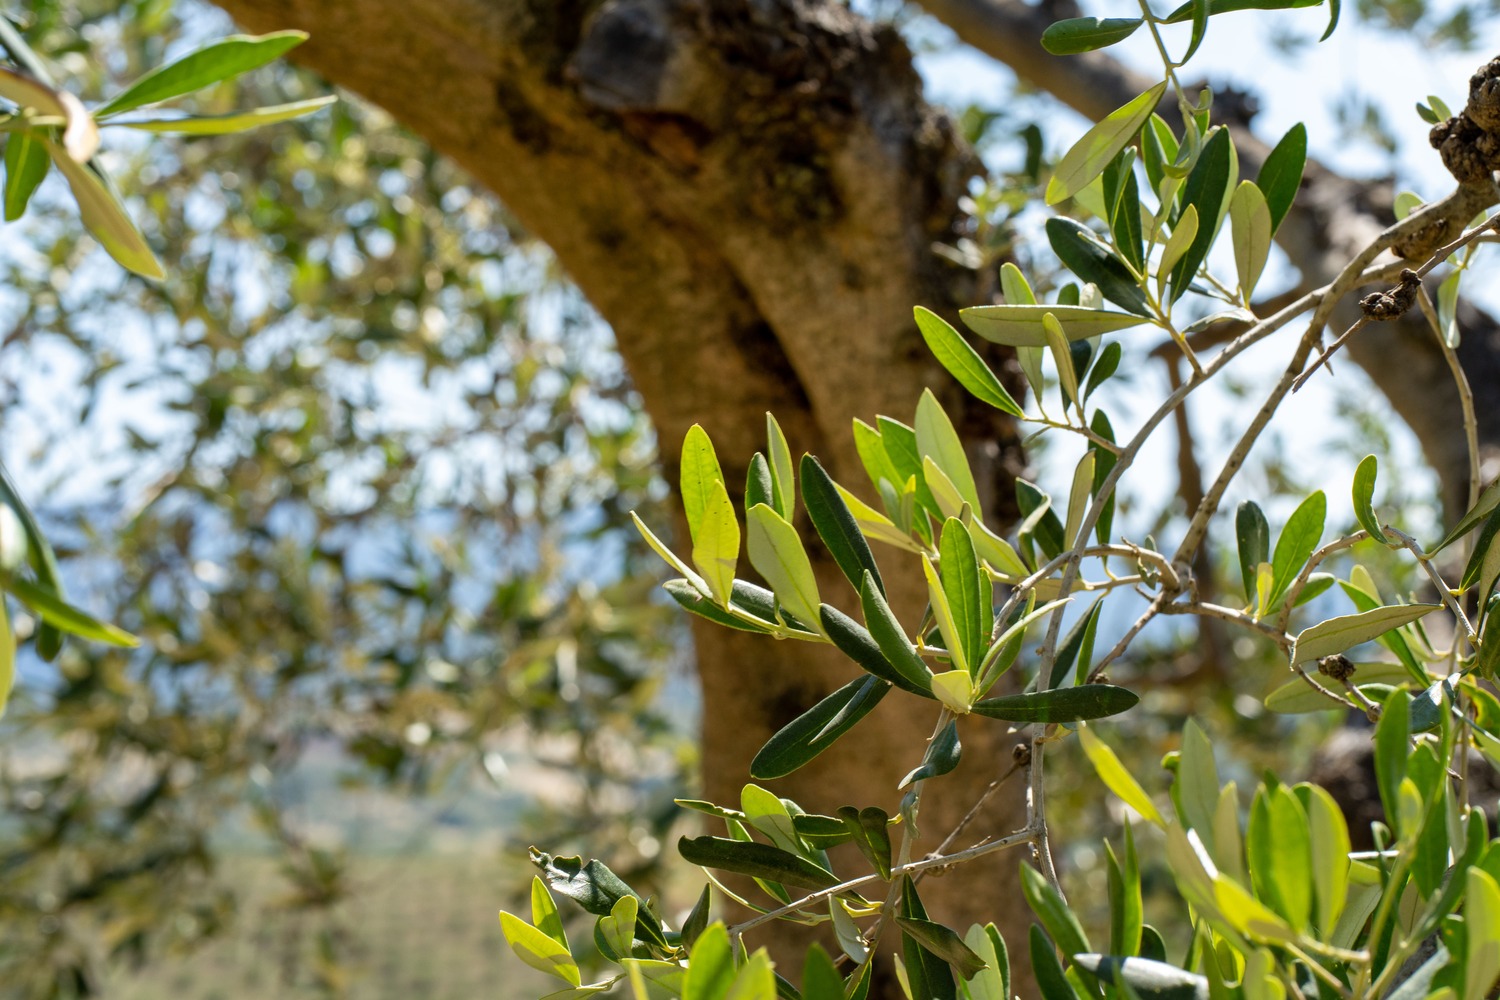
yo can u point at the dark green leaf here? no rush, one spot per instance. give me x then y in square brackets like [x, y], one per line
[1347, 631]
[1069, 704]
[711, 968]
[869, 829]
[1085, 34]
[820, 977]
[817, 729]
[1123, 201]
[1125, 913]
[1390, 640]
[1040, 520]
[1059, 921]
[595, 888]
[897, 649]
[1488, 501]
[1087, 157]
[1153, 947]
[745, 857]
[237, 121]
[1200, 27]
[1107, 365]
[1297, 542]
[820, 832]
[1316, 584]
[967, 588]
[1068, 653]
[1048, 971]
[963, 362]
[944, 943]
[1333, 19]
[1087, 256]
[758, 488]
[687, 595]
[697, 920]
[1281, 175]
[1104, 463]
[761, 603]
[1228, 6]
[834, 523]
[1205, 190]
[1150, 979]
[1475, 572]
[859, 645]
[941, 756]
[26, 163]
[901, 447]
[221, 60]
[1392, 746]
[928, 974]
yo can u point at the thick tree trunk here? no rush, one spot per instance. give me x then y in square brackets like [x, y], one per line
[748, 191]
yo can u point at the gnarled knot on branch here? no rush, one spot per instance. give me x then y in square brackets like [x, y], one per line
[1469, 142]
[1381, 306]
[1338, 667]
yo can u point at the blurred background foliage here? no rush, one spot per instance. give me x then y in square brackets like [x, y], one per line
[357, 473]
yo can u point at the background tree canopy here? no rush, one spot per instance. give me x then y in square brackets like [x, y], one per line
[358, 471]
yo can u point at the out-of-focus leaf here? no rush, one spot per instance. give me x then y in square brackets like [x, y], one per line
[238, 121]
[538, 950]
[62, 615]
[1149, 979]
[217, 61]
[1085, 34]
[26, 163]
[1116, 777]
[104, 216]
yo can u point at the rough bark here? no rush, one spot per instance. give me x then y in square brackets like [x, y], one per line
[748, 191]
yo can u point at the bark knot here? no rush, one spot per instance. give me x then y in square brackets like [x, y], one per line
[1382, 306]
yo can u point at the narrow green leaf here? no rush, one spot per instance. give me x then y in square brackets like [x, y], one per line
[1254, 537]
[544, 915]
[671, 558]
[1281, 174]
[62, 615]
[1364, 495]
[697, 919]
[1040, 520]
[836, 525]
[758, 487]
[1482, 918]
[1184, 235]
[1149, 979]
[990, 983]
[1068, 704]
[1125, 904]
[1057, 919]
[783, 484]
[220, 60]
[870, 829]
[1198, 782]
[967, 589]
[1115, 776]
[1014, 287]
[1100, 144]
[1488, 501]
[1392, 748]
[1228, 6]
[928, 974]
[7, 657]
[1085, 34]
[1104, 464]
[538, 950]
[817, 729]
[1345, 632]
[39, 554]
[1021, 325]
[1447, 309]
[942, 755]
[1050, 979]
[1333, 19]
[944, 943]
[1250, 228]
[901, 447]
[716, 543]
[1296, 697]
[1297, 542]
[937, 439]
[1094, 261]
[700, 471]
[942, 613]
[689, 597]
[1200, 27]
[239, 121]
[856, 643]
[26, 163]
[595, 888]
[103, 215]
[820, 977]
[1205, 190]
[777, 554]
[888, 634]
[711, 968]
[757, 860]
[964, 363]
[1106, 366]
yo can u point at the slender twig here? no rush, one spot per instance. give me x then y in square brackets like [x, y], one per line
[1326, 355]
[1125, 640]
[1289, 600]
[979, 804]
[1036, 807]
[1425, 561]
[1276, 635]
[1465, 398]
[910, 868]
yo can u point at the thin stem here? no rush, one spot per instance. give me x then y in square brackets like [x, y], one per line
[1465, 397]
[1036, 808]
[1425, 561]
[979, 804]
[1289, 601]
[1119, 648]
[1239, 618]
[910, 868]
